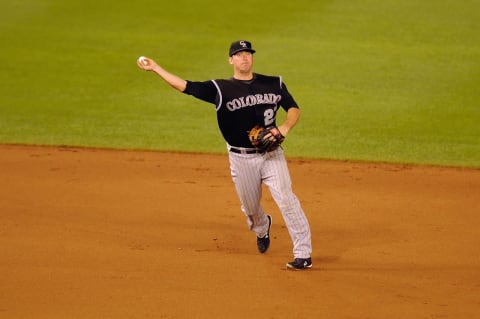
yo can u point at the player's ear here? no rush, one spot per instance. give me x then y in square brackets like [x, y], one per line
[230, 60]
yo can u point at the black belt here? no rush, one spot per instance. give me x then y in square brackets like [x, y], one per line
[244, 150]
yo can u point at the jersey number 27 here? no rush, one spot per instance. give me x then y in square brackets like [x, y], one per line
[269, 116]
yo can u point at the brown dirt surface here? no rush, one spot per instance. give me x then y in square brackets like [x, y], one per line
[89, 233]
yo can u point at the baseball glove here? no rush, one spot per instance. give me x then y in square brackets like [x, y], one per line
[265, 139]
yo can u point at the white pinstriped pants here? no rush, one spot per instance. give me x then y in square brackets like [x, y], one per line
[248, 172]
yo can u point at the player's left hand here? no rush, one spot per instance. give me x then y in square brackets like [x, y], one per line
[266, 139]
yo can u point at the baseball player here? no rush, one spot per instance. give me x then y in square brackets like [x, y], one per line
[250, 100]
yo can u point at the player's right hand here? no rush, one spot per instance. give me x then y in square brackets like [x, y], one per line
[146, 64]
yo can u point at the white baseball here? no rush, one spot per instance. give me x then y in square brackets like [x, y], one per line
[143, 60]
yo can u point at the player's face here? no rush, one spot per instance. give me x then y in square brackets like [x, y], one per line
[242, 61]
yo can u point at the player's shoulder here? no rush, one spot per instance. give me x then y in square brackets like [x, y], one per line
[267, 77]
[223, 80]
[274, 80]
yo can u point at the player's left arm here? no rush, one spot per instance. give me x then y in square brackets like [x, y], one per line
[291, 107]
[293, 115]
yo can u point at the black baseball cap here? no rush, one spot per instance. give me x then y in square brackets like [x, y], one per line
[240, 45]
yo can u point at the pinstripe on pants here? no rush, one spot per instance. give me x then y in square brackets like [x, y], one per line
[248, 172]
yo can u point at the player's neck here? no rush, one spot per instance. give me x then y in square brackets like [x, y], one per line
[243, 76]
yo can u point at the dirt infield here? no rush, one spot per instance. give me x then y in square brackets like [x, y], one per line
[88, 233]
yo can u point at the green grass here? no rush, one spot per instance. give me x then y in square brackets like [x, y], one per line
[394, 81]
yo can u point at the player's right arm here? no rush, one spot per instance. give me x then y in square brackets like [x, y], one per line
[175, 81]
[205, 91]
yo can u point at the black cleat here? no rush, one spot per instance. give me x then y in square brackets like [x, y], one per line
[300, 264]
[264, 242]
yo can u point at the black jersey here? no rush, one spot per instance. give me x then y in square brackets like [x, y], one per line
[241, 104]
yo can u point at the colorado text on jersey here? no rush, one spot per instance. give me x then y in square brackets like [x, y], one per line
[251, 100]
